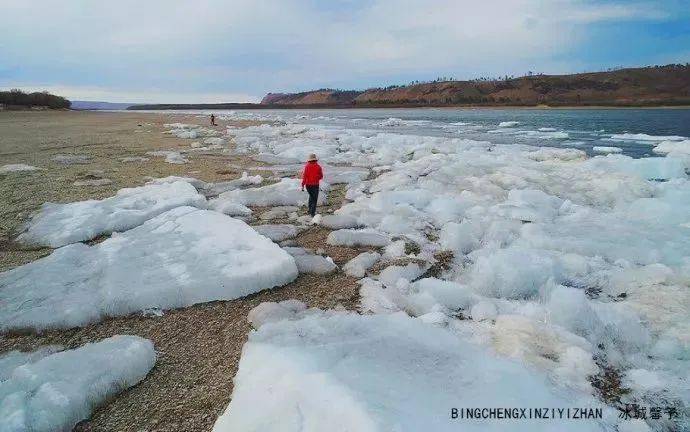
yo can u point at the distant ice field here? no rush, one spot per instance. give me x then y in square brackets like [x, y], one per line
[635, 131]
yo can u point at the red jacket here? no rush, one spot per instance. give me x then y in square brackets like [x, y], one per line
[311, 174]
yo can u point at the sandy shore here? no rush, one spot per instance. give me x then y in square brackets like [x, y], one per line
[198, 347]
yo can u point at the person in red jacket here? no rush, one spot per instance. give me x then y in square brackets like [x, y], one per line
[311, 175]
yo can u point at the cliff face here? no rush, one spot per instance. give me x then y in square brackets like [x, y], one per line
[640, 86]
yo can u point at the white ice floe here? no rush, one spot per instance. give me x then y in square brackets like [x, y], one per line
[336, 221]
[71, 159]
[673, 147]
[198, 184]
[278, 212]
[353, 237]
[508, 124]
[307, 262]
[213, 189]
[286, 192]
[277, 232]
[52, 391]
[181, 257]
[358, 266]
[230, 208]
[56, 225]
[391, 275]
[318, 371]
[337, 175]
[645, 137]
[172, 157]
[17, 168]
[189, 131]
[606, 150]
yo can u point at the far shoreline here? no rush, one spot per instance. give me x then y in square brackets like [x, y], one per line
[444, 107]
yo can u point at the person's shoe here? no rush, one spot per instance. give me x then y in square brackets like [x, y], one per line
[316, 220]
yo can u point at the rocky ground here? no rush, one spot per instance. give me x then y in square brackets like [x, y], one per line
[198, 347]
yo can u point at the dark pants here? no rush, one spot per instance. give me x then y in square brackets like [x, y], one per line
[313, 192]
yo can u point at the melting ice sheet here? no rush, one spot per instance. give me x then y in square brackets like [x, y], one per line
[57, 225]
[46, 391]
[309, 370]
[179, 258]
[570, 263]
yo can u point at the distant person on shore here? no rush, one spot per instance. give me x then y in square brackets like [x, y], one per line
[311, 175]
[213, 120]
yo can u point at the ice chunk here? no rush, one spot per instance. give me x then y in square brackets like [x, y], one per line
[308, 263]
[179, 258]
[271, 312]
[342, 371]
[54, 392]
[566, 356]
[363, 237]
[673, 147]
[277, 232]
[349, 175]
[337, 221]
[286, 192]
[643, 380]
[9, 361]
[507, 124]
[198, 184]
[56, 225]
[17, 168]
[230, 208]
[392, 274]
[645, 137]
[213, 189]
[170, 156]
[358, 265]
[514, 273]
[461, 237]
[316, 220]
[605, 149]
[483, 310]
[633, 425]
[394, 250]
[434, 295]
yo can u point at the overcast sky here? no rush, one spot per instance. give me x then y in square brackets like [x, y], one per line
[237, 51]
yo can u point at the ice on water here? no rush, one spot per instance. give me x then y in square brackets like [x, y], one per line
[57, 225]
[46, 390]
[181, 257]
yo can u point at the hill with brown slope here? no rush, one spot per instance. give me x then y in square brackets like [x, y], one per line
[662, 85]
